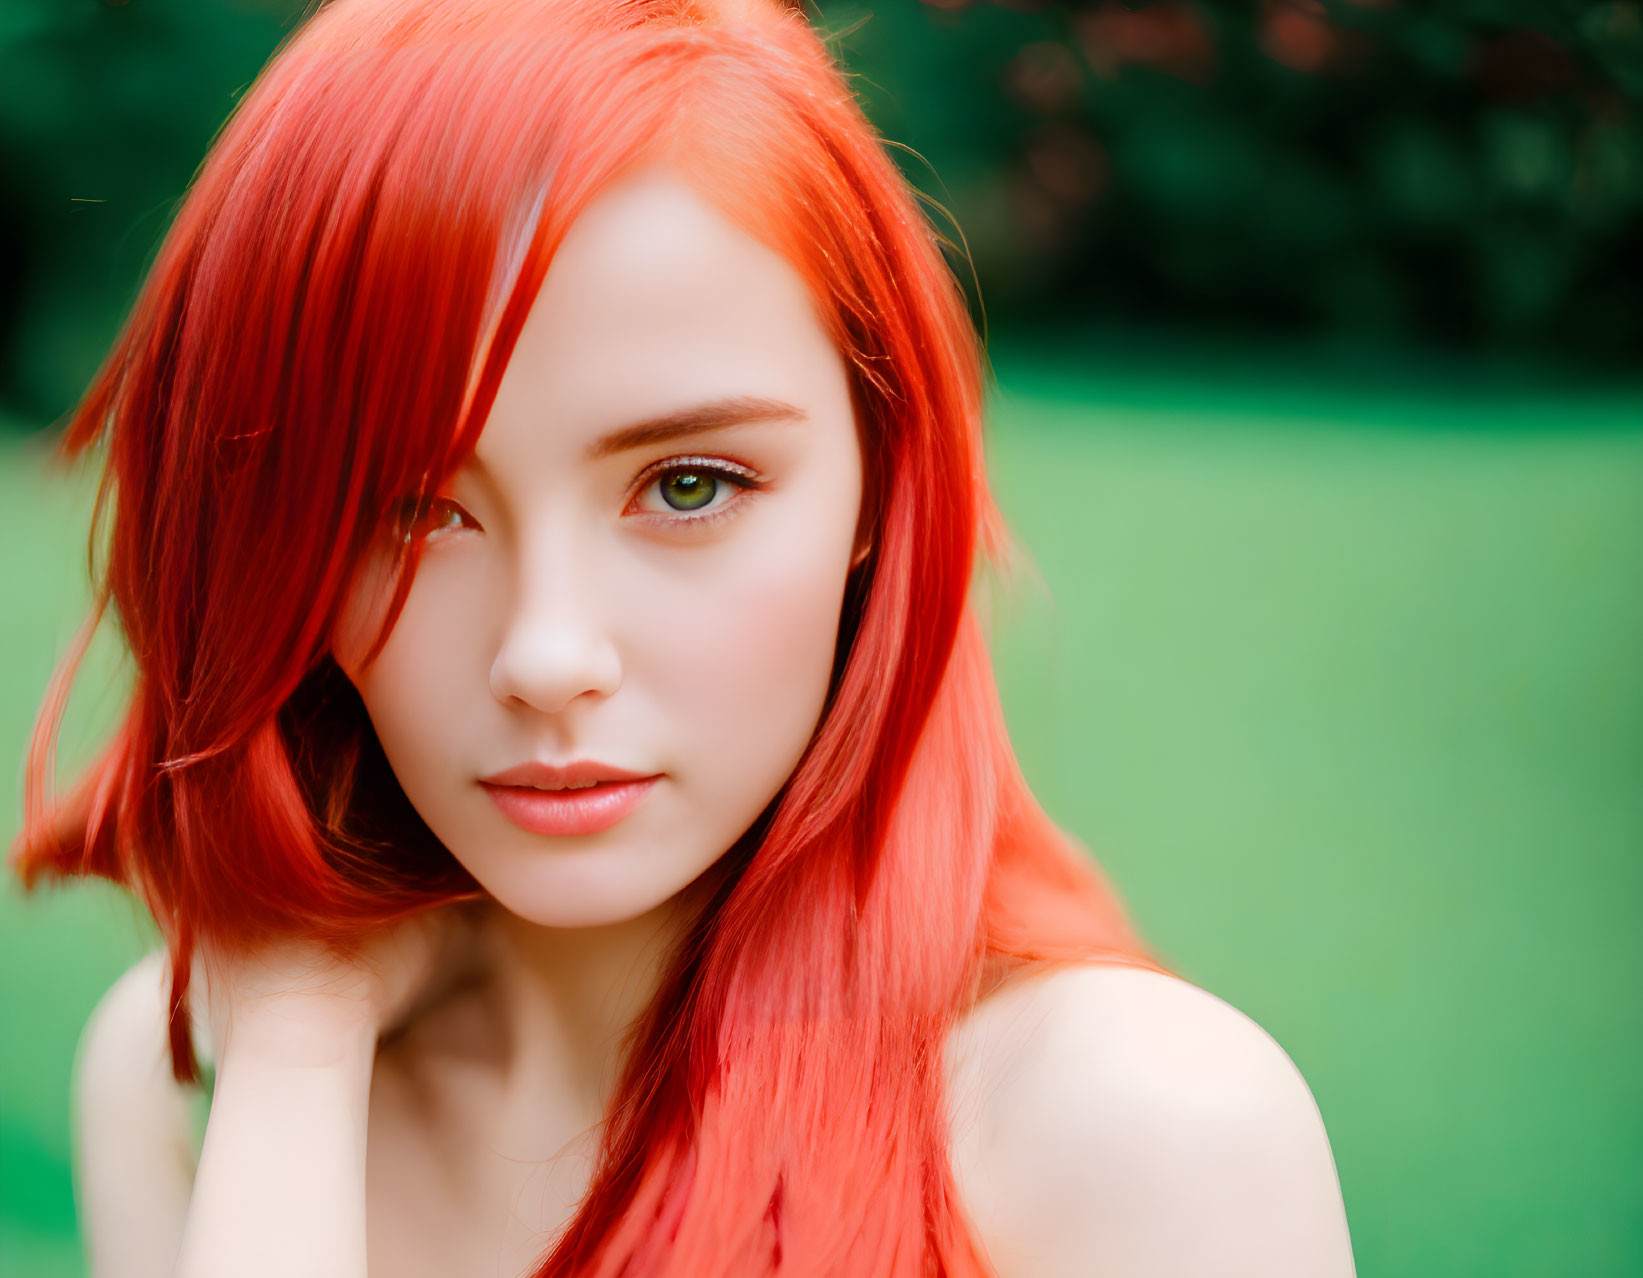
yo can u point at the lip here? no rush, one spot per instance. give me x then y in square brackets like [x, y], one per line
[578, 772]
[614, 795]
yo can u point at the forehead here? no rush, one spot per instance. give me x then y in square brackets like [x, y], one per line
[656, 300]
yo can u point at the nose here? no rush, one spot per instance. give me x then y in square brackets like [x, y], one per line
[553, 647]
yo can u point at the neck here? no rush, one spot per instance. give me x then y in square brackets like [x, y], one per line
[564, 999]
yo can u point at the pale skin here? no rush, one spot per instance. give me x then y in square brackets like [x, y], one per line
[1104, 1121]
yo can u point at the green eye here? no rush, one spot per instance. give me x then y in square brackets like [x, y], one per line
[688, 489]
[413, 520]
[694, 491]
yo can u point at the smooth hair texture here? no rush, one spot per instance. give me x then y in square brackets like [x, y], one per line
[322, 332]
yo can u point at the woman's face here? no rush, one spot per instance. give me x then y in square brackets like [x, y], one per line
[642, 568]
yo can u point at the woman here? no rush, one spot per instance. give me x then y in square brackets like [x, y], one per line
[546, 477]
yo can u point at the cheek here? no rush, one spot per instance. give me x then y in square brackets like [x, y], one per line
[743, 662]
[420, 676]
[363, 609]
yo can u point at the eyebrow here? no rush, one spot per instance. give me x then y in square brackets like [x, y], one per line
[714, 415]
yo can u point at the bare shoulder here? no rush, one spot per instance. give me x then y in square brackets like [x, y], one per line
[1113, 1120]
[125, 1037]
[134, 1154]
[122, 1064]
[128, 1030]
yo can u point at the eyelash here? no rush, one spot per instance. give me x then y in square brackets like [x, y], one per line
[742, 478]
[737, 475]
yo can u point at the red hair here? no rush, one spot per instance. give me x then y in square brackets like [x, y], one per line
[323, 330]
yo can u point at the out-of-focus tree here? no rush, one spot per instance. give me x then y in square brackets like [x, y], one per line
[106, 109]
[1466, 172]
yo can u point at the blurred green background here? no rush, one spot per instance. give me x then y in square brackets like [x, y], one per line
[1316, 328]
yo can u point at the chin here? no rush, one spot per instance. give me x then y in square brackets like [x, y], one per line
[586, 890]
[575, 915]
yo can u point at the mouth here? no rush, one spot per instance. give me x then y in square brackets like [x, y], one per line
[585, 807]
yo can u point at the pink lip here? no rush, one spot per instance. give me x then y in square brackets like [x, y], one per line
[578, 772]
[567, 812]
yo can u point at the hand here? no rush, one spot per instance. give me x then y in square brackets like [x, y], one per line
[305, 999]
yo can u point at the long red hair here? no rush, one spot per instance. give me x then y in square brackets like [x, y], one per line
[322, 331]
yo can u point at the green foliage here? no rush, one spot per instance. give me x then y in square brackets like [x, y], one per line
[106, 109]
[1465, 172]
